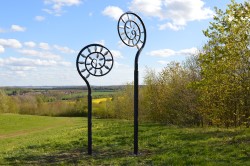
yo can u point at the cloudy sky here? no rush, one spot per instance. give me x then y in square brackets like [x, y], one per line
[40, 40]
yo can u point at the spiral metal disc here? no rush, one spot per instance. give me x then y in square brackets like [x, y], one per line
[131, 30]
[94, 59]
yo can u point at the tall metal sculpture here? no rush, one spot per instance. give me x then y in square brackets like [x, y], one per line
[95, 60]
[132, 32]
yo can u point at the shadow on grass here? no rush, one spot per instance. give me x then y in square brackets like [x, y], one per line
[72, 157]
[32, 155]
[65, 155]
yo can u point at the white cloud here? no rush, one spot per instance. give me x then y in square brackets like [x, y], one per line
[147, 7]
[25, 71]
[57, 5]
[44, 46]
[116, 54]
[40, 73]
[121, 44]
[170, 26]
[169, 52]
[21, 68]
[29, 52]
[120, 65]
[34, 53]
[1, 62]
[177, 12]
[189, 51]
[162, 53]
[50, 12]
[30, 44]
[163, 62]
[39, 18]
[1, 49]
[65, 50]
[113, 12]
[11, 61]
[13, 43]
[17, 28]
[20, 73]
[63, 63]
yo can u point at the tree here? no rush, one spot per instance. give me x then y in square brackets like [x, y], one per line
[225, 66]
[168, 97]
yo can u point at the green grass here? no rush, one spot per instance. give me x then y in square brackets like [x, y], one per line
[35, 140]
[12, 123]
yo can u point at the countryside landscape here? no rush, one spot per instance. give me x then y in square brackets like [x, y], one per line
[59, 136]
[192, 111]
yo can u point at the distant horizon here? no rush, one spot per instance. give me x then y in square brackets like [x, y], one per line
[57, 85]
[66, 86]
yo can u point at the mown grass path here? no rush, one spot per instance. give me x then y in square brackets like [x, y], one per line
[36, 140]
[15, 125]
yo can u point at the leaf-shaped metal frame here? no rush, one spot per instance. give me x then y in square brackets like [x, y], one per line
[131, 30]
[95, 60]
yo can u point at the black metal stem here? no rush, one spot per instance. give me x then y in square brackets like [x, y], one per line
[89, 122]
[136, 96]
[89, 117]
[136, 102]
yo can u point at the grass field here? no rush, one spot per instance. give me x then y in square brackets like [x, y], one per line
[37, 140]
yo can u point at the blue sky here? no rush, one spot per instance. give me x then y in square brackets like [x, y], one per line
[40, 40]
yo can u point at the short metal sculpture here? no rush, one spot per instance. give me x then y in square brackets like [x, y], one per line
[132, 32]
[96, 60]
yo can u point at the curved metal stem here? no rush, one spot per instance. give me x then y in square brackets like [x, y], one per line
[136, 101]
[136, 108]
[89, 117]
[89, 122]
[136, 95]
[127, 41]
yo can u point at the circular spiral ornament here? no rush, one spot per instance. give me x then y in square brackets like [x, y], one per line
[94, 59]
[131, 30]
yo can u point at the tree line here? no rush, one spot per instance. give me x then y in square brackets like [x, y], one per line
[41, 105]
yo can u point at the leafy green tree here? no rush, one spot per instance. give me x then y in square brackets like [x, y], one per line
[225, 66]
[168, 96]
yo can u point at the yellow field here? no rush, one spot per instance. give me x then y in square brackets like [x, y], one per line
[98, 101]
